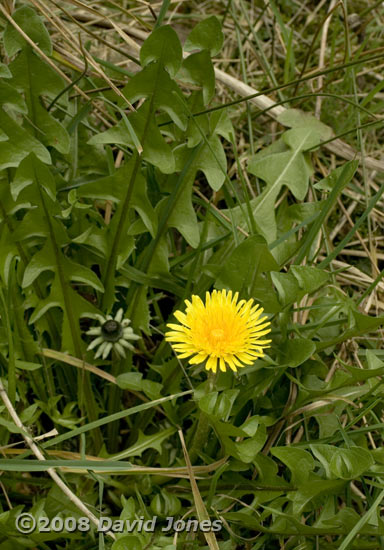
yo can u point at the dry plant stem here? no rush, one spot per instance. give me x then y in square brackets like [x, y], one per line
[178, 471]
[343, 221]
[199, 504]
[51, 63]
[367, 253]
[39, 455]
[98, 70]
[220, 213]
[9, 503]
[80, 364]
[337, 146]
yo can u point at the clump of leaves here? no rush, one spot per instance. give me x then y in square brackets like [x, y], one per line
[121, 204]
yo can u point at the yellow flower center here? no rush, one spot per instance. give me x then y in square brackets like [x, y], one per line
[217, 334]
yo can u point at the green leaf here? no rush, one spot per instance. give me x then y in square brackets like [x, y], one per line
[247, 449]
[254, 258]
[314, 488]
[198, 69]
[295, 352]
[295, 118]
[4, 71]
[154, 83]
[289, 168]
[144, 442]
[33, 26]
[16, 143]
[299, 461]
[211, 160]
[127, 542]
[360, 374]
[113, 188]
[350, 463]
[162, 45]
[130, 381]
[219, 404]
[35, 184]
[155, 149]
[309, 278]
[37, 79]
[287, 287]
[206, 35]
[299, 281]
[183, 216]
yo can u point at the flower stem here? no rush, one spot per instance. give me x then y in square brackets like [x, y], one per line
[114, 405]
[202, 430]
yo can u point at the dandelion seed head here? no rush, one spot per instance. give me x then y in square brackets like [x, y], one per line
[111, 334]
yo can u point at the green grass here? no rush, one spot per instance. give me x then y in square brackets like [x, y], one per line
[200, 186]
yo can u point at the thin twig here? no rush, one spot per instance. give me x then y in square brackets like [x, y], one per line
[39, 455]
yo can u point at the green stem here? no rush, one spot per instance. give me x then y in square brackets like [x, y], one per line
[202, 430]
[114, 405]
[135, 291]
[200, 437]
[109, 276]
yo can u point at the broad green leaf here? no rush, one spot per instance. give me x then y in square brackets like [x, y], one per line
[130, 381]
[206, 35]
[127, 542]
[152, 389]
[16, 143]
[24, 181]
[36, 185]
[10, 96]
[313, 489]
[287, 287]
[301, 138]
[37, 79]
[183, 216]
[142, 313]
[350, 463]
[198, 69]
[360, 375]
[113, 188]
[324, 453]
[253, 258]
[329, 182]
[286, 168]
[299, 281]
[220, 123]
[211, 160]
[144, 442]
[218, 404]
[295, 352]
[4, 71]
[162, 45]
[309, 278]
[299, 461]
[33, 26]
[155, 84]
[155, 149]
[247, 450]
[295, 118]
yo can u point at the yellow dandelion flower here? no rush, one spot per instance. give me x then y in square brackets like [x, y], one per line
[221, 331]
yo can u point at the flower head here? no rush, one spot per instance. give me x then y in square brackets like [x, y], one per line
[222, 331]
[112, 333]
